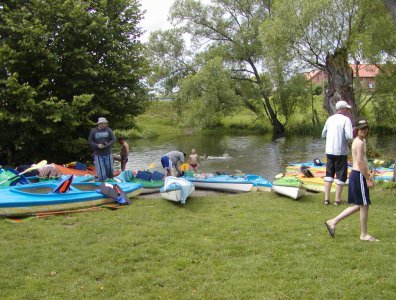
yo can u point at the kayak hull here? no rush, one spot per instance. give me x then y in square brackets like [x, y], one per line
[34, 198]
[291, 187]
[289, 191]
[176, 189]
[224, 183]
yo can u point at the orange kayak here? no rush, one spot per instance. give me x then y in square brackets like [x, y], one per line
[71, 171]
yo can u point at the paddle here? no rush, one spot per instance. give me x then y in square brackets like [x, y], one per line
[184, 167]
[151, 166]
[33, 167]
[239, 172]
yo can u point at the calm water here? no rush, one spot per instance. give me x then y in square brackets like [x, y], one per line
[250, 154]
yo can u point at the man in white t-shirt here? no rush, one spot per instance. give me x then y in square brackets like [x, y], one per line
[337, 131]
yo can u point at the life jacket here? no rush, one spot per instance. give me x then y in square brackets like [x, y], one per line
[305, 170]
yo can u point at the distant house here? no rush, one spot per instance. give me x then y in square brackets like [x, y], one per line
[366, 73]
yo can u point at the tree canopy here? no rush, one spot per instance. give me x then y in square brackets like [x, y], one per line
[327, 34]
[264, 45]
[230, 31]
[64, 63]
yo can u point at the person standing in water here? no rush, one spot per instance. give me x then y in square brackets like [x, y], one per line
[193, 160]
[124, 152]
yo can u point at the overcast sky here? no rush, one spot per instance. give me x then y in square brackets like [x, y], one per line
[155, 16]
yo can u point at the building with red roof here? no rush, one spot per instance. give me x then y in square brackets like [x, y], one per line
[366, 73]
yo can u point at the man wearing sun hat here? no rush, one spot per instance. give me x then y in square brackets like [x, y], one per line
[337, 131]
[101, 140]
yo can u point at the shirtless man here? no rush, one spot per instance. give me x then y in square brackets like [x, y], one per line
[124, 152]
[193, 160]
[359, 181]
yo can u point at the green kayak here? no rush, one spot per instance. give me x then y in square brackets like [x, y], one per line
[149, 185]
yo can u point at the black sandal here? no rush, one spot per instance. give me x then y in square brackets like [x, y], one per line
[327, 202]
[337, 203]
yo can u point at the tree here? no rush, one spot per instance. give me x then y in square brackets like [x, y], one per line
[205, 100]
[169, 58]
[230, 28]
[323, 34]
[63, 63]
[386, 97]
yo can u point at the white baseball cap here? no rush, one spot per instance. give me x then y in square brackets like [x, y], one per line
[342, 104]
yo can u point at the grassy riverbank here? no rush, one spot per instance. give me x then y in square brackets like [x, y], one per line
[160, 119]
[248, 246]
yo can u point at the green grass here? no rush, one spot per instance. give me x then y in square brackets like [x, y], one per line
[158, 119]
[248, 246]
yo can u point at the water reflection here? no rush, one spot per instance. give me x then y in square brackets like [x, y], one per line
[250, 154]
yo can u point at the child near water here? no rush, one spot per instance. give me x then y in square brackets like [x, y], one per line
[124, 152]
[193, 160]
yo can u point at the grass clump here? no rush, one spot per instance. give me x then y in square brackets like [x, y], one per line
[245, 246]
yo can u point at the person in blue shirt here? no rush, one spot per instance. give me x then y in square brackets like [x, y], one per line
[101, 139]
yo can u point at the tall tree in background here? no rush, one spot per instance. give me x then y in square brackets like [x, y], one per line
[207, 96]
[63, 63]
[230, 29]
[170, 60]
[322, 34]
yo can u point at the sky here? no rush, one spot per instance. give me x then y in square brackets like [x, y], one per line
[155, 17]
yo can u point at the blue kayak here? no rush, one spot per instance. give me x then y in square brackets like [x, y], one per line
[176, 189]
[76, 178]
[225, 183]
[29, 199]
[260, 183]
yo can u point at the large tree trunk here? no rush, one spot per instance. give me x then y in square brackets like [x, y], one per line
[391, 6]
[10, 154]
[340, 82]
[277, 126]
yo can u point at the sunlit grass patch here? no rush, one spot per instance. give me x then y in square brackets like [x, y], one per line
[245, 246]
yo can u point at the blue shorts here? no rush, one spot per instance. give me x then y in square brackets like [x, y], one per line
[358, 192]
[336, 165]
[166, 162]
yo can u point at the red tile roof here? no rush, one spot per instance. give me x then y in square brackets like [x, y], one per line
[365, 71]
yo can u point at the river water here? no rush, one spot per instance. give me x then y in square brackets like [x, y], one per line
[251, 154]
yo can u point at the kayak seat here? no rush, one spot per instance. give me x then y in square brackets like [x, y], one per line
[144, 175]
[157, 176]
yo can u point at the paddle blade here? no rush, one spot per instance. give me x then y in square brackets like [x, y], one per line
[185, 167]
[152, 165]
[34, 167]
